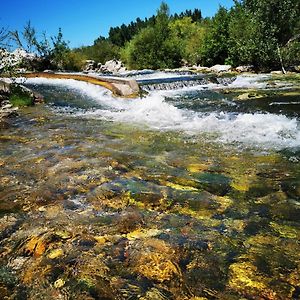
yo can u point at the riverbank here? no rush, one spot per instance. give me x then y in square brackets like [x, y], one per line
[13, 96]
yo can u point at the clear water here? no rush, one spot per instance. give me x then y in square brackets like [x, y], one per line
[187, 193]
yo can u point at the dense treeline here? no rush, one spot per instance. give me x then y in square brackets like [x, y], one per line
[262, 33]
[105, 49]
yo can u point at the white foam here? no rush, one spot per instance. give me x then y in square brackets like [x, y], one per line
[250, 81]
[259, 129]
[157, 75]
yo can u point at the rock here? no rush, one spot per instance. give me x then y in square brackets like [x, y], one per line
[276, 73]
[251, 95]
[217, 184]
[200, 69]
[248, 68]
[110, 67]
[89, 65]
[4, 87]
[48, 71]
[113, 67]
[297, 69]
[154, 259]
[221, 68]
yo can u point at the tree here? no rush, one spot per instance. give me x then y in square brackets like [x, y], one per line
[102, 51]
[189, 37]
[4, 35]
[215, 44]
[153, 47]
[59, 51]
[260, 28]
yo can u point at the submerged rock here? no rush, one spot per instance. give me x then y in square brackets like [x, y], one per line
[217, 184]
[155, 260]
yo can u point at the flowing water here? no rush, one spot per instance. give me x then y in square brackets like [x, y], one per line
[191, 192]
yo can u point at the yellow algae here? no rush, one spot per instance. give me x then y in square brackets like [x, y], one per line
[18, 139]
[261, 239]
[36, 247]
[100, 239]
[245, 275]
[59, 283]
[197, 168]
[39, 160]
[156, 266]
[294, 277]
[63, 234]
[55, 253]
[141, 234]
[154, 259]
[180, 187]
[34, 271]
[91, 268]
[199, 214]
[241, 185]
[205, 216]
[238, 225]
[285, 230]
[225, 202]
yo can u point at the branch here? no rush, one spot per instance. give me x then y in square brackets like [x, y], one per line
[292, 39]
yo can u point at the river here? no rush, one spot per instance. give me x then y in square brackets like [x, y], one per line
[191, 192]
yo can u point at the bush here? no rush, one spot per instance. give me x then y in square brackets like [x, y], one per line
[101, 51]
[20, 97]
[74, 61]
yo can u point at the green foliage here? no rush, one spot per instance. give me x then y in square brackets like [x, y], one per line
[60, 50]
[258, 28]
[195, 15]
[189, 37]
[20, 97]
[102, 51]
[74, 61]
[121, 35]
[215, 44]
[154, 46]
[291, 54]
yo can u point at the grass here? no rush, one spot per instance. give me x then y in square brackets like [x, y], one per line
[19, 97]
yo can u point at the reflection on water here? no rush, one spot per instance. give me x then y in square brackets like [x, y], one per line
[97, 206]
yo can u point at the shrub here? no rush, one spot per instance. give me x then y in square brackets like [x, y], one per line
[20, 97]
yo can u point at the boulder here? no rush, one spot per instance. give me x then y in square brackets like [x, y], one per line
[89, 65]
[242, 69]
[113, 66]
[221, 68]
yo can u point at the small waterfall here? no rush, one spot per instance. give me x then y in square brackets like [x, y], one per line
[173, 85]
[180, 83]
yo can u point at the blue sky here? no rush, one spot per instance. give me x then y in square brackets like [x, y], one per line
[83, 21]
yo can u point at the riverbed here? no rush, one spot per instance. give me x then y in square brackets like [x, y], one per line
[191, 192]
